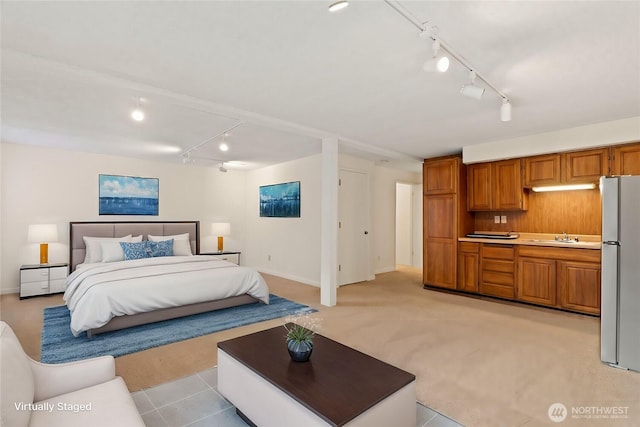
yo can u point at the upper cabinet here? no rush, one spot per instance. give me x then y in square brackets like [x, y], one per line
[542, 170]
[585, 166]
[440, 176]
[626, 160]
[571, 168]
[496, 186]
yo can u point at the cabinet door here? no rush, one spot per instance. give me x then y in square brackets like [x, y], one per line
[579, 286]
[440, 176]
[542, 170]
[468, 264]
[537, 281]
[440, 241]
[507, 188]
[586, 166]
[479, 187]
[626, 160]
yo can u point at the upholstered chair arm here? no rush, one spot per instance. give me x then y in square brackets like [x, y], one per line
[56, 379]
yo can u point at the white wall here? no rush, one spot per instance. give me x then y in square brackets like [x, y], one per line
[577, 138]
[287, 247]
[41, 185]
[404, 225]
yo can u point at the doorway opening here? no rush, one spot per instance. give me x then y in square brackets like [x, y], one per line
[408, 225]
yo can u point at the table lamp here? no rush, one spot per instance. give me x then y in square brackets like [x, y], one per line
[221, 229]
[43, 234]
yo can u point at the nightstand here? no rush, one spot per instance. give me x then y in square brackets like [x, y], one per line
[43, 279]
[229, 256]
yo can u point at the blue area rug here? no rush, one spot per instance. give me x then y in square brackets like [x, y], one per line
[59, 345]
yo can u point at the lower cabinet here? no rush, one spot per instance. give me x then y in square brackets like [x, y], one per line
[497, 270]
[468, 260]
[558, 277]
[579, 286]
[537, 281]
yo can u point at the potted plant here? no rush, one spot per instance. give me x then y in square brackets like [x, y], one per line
[300, 332]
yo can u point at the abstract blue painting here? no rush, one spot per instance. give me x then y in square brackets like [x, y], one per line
[128, 195]
[280, 200]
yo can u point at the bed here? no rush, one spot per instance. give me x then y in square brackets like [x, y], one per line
[117, 294]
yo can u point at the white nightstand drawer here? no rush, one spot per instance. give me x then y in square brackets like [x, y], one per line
[58, 273]
[34, 288]
[234, 258]
[58, 285]
[34, 275]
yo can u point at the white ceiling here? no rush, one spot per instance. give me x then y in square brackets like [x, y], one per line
[290, 73]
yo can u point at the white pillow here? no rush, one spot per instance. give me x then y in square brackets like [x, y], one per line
[93, 246]
[136, 239]
[181, 243]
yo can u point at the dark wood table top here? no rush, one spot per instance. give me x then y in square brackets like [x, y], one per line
[338, 383]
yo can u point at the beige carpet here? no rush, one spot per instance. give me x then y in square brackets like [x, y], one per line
[481, 362]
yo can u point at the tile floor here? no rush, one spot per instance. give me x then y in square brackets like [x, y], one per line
[195, 402]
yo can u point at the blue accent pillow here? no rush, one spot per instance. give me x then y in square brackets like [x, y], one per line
[136, 250]
[163, 248]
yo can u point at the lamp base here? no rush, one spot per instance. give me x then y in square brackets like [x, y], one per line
[44, 253]
[220, 243]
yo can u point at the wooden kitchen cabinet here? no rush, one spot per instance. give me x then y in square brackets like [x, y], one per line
[559, 277]
[497, 270]
[542, 170]
[440, 176]
[626, 160]
[579, 284]
[585, 166]
[496, 186]
[445, 218]
[537, 281]
[468, 262]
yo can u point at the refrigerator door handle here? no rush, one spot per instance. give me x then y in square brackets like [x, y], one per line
[611, 242]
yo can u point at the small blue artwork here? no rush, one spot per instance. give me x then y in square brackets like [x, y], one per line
[128, 195]
[280, 200]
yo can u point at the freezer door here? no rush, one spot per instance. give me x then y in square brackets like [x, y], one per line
[609, 304]
[629, 274]
[609, 190]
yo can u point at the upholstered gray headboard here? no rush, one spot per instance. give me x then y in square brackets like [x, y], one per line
[78, 230]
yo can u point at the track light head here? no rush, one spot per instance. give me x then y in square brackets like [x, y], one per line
[222, 168]
[338, 5]
[137, 114]
[505, 110]
[438, 62]
[470, 90]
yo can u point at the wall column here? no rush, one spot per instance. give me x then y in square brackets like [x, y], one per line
[329, 223]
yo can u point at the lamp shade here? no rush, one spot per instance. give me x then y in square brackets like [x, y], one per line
[42, 233]
[221, 229]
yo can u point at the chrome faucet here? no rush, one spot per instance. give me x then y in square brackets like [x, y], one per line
[564, 237]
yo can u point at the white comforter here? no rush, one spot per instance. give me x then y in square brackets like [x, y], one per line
[98, 292]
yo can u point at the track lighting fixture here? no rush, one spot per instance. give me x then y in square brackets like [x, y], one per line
[471, 90]
[428, 31]
[438, 62]
[223, 146]
[338, 5]
[505, 110]
[222, 168]
[137, 114]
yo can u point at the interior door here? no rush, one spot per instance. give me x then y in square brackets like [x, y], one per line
[353, 227]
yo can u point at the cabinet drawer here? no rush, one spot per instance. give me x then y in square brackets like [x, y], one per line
[58, 273]
[498, 252]
[469, 247]
[498, 278]
[234, 258]
[59, 285]
[34, 288]
[35, 275]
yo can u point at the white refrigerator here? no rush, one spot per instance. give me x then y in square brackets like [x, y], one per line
[620, 296]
